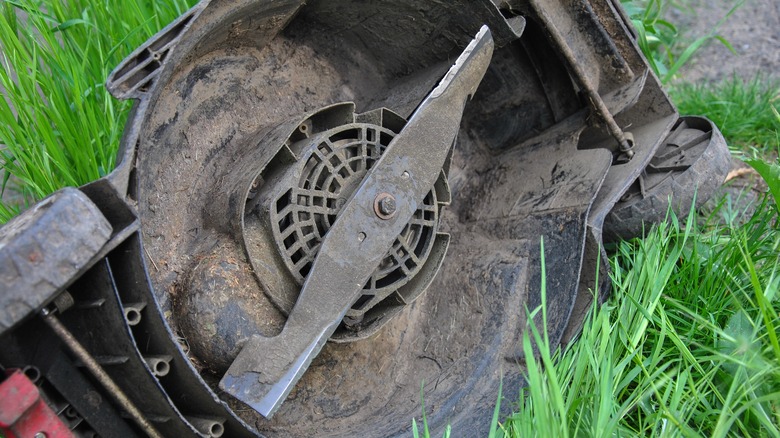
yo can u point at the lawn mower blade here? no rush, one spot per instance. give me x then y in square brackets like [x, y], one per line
[267, 368]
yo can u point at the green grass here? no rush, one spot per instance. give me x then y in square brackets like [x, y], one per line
[660, 40]
[742, 109]
[687, 345]
[58, 124]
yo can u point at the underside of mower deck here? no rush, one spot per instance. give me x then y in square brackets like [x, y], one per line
[321, 206]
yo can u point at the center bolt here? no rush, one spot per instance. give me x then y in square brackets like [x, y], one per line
[384, 206]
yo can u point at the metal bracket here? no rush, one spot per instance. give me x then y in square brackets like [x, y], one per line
[624, 140]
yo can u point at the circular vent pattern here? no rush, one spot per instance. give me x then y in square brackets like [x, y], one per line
[335, 164]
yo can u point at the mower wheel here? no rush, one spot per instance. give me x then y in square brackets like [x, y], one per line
[687, 169]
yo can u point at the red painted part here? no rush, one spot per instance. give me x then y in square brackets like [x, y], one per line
[24, 413]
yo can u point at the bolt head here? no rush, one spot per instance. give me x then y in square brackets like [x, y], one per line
[385, 205]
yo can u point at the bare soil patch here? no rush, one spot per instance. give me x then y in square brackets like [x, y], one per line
[753, 30]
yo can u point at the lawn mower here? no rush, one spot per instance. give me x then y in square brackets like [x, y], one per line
[327, 214]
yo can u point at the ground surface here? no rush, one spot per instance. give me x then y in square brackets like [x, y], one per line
[753, 30]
